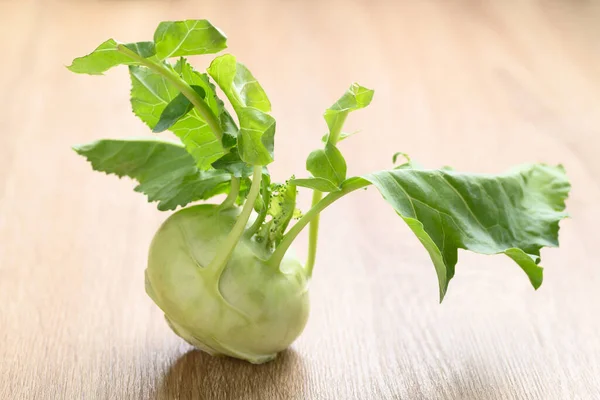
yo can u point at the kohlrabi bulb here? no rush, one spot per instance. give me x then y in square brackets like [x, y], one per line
[248, 309]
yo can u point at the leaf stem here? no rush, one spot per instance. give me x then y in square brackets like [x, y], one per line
[313, 234]
[334, 135]
[309, 217]
[263, 213]
[233, 194]
[313, 230]
[181, 85]
[226, 249]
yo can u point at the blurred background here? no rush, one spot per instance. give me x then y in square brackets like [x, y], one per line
[478, 85]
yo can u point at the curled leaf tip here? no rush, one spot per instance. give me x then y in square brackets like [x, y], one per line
[400, 154]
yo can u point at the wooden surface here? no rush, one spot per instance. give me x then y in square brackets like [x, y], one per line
[479, 85]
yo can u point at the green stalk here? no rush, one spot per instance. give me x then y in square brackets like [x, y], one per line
[233, 194]
[313, 235]
[262, 215]
[335, 133]
[182, 86]
[310, 217]
[226, 248]
[313, 231]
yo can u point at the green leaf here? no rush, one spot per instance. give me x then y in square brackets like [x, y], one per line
[199, 82]
[144, 49]
[230, 129]
[175, 110]
[327, 163]
[106, 56]
[409, 162]
[320, 184]
[194, 79]
[262, 203]
[150, 95]
[251, 104]
[165, 171]
[186, 38]
[515, 213]
[400, 154]
[232, 163]
[356, 97]
[238, 84]
[256, 138]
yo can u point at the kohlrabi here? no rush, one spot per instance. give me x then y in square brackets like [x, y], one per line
[222, 273]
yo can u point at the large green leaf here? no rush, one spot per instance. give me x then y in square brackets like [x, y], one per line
[516, 213]
[106, 56]
[187, 38]
[152, 92]
[165, 171]
[251, 104]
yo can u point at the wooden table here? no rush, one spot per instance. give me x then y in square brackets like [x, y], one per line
[477, 85]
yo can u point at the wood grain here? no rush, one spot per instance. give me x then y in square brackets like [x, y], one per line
[479, 85]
